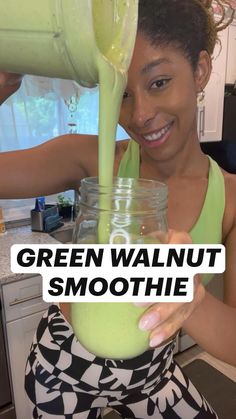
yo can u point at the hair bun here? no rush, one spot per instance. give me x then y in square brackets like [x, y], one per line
[224, 9]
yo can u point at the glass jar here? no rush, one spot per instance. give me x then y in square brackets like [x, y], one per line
[132, 211]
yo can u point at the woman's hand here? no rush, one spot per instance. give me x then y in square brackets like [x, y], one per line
[9, 79]
[9, 84]
[165, 319]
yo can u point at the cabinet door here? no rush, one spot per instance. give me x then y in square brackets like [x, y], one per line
[23, 298]
[214, 93]
[231, 58]
[20, 335]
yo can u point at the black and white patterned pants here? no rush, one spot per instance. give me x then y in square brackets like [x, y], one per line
[64, 380]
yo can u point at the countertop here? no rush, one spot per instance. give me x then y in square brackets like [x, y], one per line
[20, 235]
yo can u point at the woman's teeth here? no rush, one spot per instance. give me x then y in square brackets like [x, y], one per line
[158, 135]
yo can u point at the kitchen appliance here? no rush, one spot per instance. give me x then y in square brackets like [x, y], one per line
[7, 410]
[66, 39]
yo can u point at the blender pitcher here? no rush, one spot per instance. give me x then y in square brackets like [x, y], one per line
[66, 38]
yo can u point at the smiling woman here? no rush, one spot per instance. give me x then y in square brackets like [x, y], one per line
[153, 109]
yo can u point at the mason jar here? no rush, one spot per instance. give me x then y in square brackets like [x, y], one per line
[131, 211]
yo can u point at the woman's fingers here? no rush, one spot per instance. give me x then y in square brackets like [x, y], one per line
[165, 319]
[178, 237]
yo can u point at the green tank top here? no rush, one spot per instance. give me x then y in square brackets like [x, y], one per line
[208, 227]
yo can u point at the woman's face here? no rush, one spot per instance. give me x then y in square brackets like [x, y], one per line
[159, 105]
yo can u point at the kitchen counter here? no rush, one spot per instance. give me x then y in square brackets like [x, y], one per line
[20, 235]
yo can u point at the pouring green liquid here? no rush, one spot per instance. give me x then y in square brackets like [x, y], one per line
[112, 72]
[109, 330]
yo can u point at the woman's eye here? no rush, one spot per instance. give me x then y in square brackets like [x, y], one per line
[159, 84]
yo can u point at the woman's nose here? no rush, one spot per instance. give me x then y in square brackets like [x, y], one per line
[143, 111]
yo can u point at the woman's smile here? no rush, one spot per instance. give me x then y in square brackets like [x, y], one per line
[158, 137]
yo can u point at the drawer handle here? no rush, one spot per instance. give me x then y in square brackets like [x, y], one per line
[24, 300]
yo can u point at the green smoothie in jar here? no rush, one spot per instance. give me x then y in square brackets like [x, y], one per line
[137, 215]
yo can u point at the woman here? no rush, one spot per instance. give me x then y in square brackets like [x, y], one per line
[171, 65]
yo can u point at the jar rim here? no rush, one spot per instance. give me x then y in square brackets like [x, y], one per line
[125, 184]
[125, 190]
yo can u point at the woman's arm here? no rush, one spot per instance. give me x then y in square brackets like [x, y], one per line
[210, 322]
[52, 167]
[213, 323]
[9, 84]
[213, 326]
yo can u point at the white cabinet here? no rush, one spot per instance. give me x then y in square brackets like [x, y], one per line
[231, 55]
[23, 309]
[214, 93]
[20, 334]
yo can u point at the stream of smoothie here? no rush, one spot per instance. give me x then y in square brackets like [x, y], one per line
[107, 329]
[112, 64]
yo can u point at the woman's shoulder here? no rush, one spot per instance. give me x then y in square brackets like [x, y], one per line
[230, 181]
[230, 189]
[230, 202]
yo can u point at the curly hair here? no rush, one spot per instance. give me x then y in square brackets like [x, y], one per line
[189, 25]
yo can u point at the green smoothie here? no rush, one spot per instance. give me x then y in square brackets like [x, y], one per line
[110, 330]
